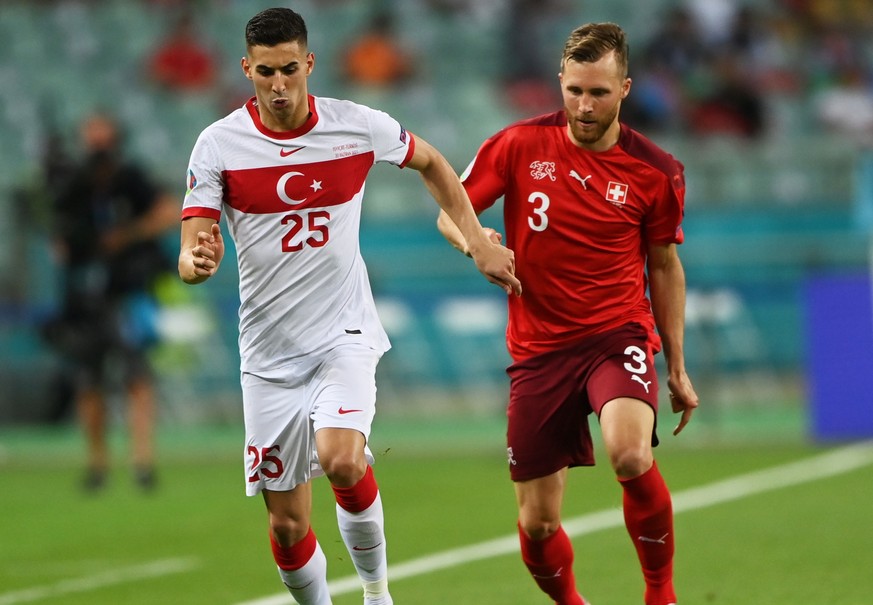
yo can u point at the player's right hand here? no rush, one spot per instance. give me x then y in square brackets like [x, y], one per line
[201, 261]
[208, 252]
[497, 263]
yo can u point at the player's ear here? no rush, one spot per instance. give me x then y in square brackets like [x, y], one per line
[625, 88]
[246, 67]
[310, 63]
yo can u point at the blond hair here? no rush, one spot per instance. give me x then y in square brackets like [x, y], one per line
[591, 42]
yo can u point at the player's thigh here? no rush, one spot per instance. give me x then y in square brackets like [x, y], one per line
[626, 370]
[547, 417]
[627, 425]
[623, 391]
[343, 390]
[342, 455]
[279, 439]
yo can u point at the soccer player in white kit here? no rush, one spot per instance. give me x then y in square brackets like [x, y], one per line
[288, 169]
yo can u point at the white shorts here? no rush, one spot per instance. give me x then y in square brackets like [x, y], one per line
[284, 408]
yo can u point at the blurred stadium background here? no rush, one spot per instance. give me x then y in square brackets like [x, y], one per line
[773, 210]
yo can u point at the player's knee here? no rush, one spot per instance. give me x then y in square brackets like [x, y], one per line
[344, 470]
[631, 462]
[288, 531]
[538, 528]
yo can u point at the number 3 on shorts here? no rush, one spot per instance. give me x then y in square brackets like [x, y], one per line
[638, 357]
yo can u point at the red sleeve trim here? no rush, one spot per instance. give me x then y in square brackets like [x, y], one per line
[410, 151]
[201, 211]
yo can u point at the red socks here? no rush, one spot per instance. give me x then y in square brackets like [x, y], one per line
[648, 515]
[360, 496]
[550, 562]
[297, 555]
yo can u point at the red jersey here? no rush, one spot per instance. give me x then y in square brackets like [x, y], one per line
[580, 223]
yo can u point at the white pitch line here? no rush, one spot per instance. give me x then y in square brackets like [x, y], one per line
[110, 577]
[835, 462]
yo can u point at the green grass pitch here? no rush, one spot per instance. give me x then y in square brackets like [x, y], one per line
[199, 540]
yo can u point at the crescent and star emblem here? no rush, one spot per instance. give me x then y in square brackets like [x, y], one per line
[280, 188]
[283, 181]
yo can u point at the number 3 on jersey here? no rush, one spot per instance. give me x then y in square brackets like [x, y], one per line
[539, 220]
[308, 229]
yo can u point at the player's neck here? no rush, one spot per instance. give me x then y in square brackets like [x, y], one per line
[286, 125]
[604, 143]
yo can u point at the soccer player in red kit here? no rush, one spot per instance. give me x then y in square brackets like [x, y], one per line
[593, 211]
[288, 171]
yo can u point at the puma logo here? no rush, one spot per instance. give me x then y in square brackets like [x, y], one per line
[654, 540]
[557, 574]
[576, 176]
[645, 383]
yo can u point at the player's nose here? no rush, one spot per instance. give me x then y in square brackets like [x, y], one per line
[279, 83]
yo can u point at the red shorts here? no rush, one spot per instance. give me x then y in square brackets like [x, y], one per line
[551, 396]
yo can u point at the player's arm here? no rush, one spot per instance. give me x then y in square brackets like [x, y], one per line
[451, 232]
[495, 262]
[201, 249]
[667, 291]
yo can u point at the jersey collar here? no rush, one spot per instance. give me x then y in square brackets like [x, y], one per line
[309, 124]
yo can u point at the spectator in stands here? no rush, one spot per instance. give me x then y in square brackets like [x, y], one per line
[846, 108]
[376, 58]
[476, 11]
[734, 107]
[746, 36]
[183, 62]
[669, 68]
[676, 46]
[107, 221]
[837, 65]
[530, 79]
[765, 44]
[703, 75]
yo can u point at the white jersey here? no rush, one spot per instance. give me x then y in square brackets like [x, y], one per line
[293, 206]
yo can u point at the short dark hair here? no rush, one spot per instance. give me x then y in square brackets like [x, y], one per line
[591, 42]
[274, 26]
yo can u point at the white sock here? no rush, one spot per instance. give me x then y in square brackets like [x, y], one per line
[364, 537]
[308, 584]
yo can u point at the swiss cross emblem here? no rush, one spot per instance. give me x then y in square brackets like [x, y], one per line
[616, 193]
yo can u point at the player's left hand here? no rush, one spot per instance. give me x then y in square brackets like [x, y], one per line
[683, 398]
